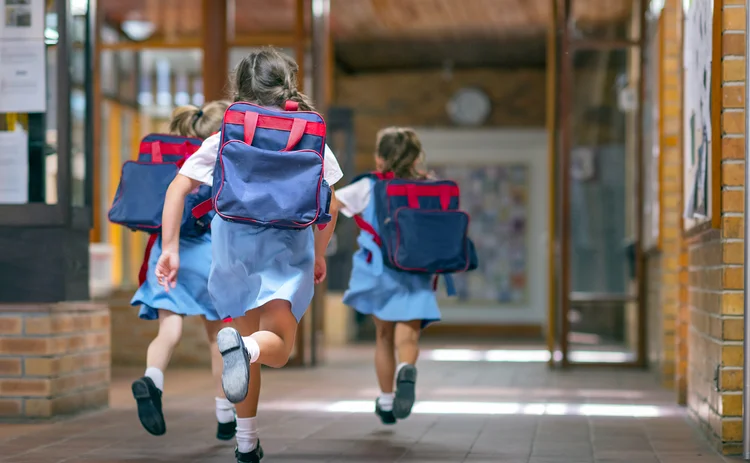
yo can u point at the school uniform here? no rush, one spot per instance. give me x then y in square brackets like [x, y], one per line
[374, 288]
[252, 265]
[190, 295]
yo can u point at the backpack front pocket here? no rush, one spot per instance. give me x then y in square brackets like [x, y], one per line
[139, 200]
[268, 187]
[429, 241]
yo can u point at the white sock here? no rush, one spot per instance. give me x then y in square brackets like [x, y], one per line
[224, 410]
[252, 348]
[400, 366]
[247, 434]
[386, 401]
[157, 376]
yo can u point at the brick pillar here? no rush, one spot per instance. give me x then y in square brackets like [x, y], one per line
[666, 268]
[54, 359]
[716, 274]
[671, 186]
[674, 254]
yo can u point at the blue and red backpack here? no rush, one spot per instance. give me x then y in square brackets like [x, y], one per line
[420, 227]
[139, 199]
[269, 171]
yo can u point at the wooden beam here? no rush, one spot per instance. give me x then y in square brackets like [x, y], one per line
[300, 50]
[330, 72]
[714, 162]
[215, 49]
[281, 39]
[321, 32]
[300, 43]
[114, 142]
[552, 87]
[96, 199]
[321, 44]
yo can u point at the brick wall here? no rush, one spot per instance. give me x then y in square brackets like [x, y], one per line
[131, 337]
[715, 264]
[419, 98]
[54, 359]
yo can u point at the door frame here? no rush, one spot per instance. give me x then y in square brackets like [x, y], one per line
[562, 46]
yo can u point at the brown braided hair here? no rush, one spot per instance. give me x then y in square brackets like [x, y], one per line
[268, 78]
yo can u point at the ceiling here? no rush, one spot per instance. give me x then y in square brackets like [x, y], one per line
[375, 35]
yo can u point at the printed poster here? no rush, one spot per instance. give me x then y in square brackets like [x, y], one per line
[22, 19]
[23, 86]
[14, 166]
[697, 56]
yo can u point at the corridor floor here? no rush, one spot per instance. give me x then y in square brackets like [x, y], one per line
[471, 408]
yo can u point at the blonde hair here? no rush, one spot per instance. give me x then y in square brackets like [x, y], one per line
[191, 121]
[401, 151]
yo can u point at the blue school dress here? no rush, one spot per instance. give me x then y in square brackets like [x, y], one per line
[254, 265]
[190, 296]
[381, 291]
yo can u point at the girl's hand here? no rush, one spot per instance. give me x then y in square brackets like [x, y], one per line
[166, 269]
[320, 269]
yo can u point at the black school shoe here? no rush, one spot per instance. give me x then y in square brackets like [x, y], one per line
[236, 375]
[406, 381]
[252, 456]
[385, 416]
[148, 398]
[226, 431]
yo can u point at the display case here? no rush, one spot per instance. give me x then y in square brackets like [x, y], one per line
[46, 54]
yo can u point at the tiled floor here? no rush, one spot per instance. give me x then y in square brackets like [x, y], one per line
[499, 412]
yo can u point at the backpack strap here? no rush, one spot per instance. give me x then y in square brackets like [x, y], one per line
[203, 208]
[374, 175]
[450, 285]
[359, 220]
[143, 273]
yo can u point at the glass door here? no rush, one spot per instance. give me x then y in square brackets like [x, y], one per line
[599, 312]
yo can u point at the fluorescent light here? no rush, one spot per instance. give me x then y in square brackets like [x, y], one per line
[137, 29]
[51, 36]
[79, 7]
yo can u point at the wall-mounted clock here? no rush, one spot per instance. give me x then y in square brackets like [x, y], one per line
[469, 106]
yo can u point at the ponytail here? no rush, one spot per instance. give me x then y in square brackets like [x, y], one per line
[400, 150]
[191, 121]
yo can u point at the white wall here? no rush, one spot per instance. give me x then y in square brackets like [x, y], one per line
[485, 147]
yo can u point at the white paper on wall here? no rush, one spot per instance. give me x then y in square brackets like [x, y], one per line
[14, 166]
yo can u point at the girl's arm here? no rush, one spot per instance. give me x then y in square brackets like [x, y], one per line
[323, 237]
[171, 217]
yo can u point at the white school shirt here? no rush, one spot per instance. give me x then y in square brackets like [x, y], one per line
[355, 197]
[200, 165]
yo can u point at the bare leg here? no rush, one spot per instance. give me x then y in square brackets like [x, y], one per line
[161, 348]
[385, 356]
[407, 341]
[147, 391]
[227, 424]
[212, 329]
[407, 345]
[266, 336]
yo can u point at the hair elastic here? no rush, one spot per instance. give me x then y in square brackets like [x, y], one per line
[196, 117]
